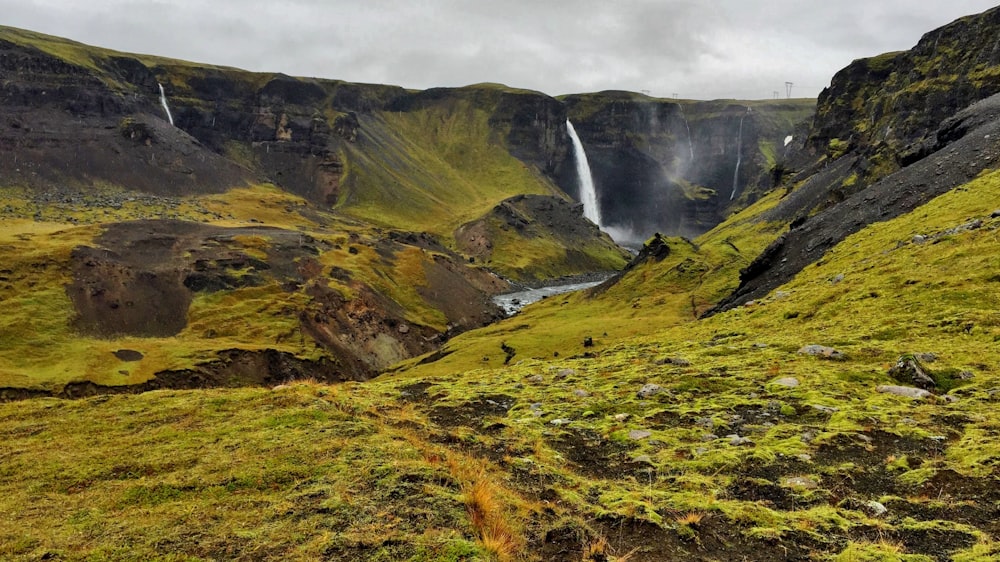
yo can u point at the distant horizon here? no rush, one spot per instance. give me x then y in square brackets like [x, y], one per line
[744, 50]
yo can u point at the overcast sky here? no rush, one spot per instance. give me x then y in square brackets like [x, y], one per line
[697, 49]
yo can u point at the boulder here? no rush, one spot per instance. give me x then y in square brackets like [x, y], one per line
[908, 370]
[905, 391]
[823, 352]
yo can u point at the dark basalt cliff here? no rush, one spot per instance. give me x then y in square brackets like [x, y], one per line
[890, 133]
[680, 167]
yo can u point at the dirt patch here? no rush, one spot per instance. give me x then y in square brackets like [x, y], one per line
[593, 455]
[710, 539]
[233, 369]
[142, 277]
[473, 413]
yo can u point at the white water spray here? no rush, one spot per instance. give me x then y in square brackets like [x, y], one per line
[739, 157]
[588, 194]
[163, 102]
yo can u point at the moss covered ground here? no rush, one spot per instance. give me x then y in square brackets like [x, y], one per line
[669, 438]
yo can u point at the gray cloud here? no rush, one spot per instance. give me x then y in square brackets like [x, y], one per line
[697, 49]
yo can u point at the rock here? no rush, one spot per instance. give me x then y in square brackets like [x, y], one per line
[824, 409]
[736, 441]
[836, 278]
[643, 459]
[128, 355]
[908, 370]
[799, 482]
[535, 406]
[995, 214]
[927, 357]
[622, 417]
[919, 239]
[760, 346]
[949, 398]
[875, 508]
[780, 295]
[804, 457]
[823, 352]
[536, 379]
[707, 422]
[637, 434]
[403, 329]
[563, 374]
[580, 393]
[709, 437]
[649, 390]
[281, 387]
[788, 382]
[588, 342]
[560, 421]
[905, 391]
[808, 436]
[676, 361]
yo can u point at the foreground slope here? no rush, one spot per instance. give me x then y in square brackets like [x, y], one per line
[719, 439]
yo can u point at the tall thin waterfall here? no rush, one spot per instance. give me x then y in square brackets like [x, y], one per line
[588, 195]
[739, 157]
[163, 102]
[688, 128]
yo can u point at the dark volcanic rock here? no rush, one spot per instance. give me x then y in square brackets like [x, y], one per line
[951, 165]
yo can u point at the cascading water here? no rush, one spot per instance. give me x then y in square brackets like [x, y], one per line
[739, 157]
[588, 194]
[163, 102]
[688, 128]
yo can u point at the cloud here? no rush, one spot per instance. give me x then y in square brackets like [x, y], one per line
[697, 49]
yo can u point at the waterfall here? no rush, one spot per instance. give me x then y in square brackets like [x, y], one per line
[688, 128]
[163, 102]
[739, 157]
[588, 195]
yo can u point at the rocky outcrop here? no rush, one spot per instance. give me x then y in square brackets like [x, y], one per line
[957, 161]
[547, 225]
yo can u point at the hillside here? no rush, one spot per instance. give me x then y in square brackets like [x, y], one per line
[812, 378]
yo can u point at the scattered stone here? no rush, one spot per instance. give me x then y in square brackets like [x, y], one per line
[637, 434]
[875, 508]
[919, 239]
[404, 328]
[824, 409]
[128, 355]
[908, 370]
[799, 482]
[836, 278]
[709, 437]
[588, 342]
[580, 393]
[995, 214]
[700, 451]
[535, 406]
[974, 224]
[788, 382]
[927, 357]
[281, 387]
[804, 457]
[536, 379]
[779, 295]
[560, 421]
[676, 361]
[649, 390]
[965, 375]
[949, 398]
[736, 441]
[622, 417]
[760, 345]
[707, 422]
[563, 374]
[808, 436]
[823, 352]
[905, 391]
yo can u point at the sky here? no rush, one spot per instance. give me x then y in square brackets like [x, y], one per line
[691, 49]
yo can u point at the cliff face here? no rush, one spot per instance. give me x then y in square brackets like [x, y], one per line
[891, 133]
[886, 109]
[672, 166]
